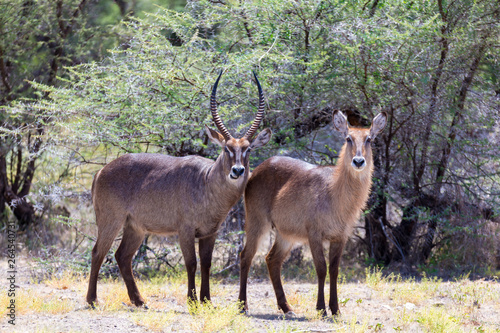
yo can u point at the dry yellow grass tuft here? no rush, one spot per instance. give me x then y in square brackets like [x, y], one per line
[210, 318]
[30, 300]
[152, 320]
[66, 280]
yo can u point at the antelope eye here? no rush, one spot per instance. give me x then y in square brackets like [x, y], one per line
[226, 150]
[348, 139]
[368, 140]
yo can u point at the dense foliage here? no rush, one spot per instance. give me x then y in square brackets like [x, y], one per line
[39, 38]
[431, 65]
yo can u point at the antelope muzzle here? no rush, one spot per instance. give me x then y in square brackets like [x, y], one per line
[236, 171]
[358, 163]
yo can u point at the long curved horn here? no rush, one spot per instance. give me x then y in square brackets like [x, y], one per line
[260, 113]
[215, 115]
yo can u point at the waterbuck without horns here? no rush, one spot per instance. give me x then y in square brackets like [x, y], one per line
[159, 194]
[311, 204]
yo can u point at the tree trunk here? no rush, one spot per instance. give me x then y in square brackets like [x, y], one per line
[404, 232]
[459, 110]
[22, 209]
[433, 103]
[376, 237]
[3, 186]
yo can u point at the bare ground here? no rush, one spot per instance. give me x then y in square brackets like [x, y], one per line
[375, 305]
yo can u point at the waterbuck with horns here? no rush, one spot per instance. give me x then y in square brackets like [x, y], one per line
[310, 204]
[159, 194]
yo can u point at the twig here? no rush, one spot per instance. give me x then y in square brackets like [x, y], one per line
[161, 258]
[78, 245]
[225, 269]
[270, 48]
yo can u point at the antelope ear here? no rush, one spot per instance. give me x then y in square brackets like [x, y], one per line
[340, 122]
[262, 138]
[214, 136]
[378, 124]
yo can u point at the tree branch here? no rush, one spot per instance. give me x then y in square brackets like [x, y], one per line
[459, 109]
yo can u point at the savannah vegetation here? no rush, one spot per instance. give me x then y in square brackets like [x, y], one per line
[83, 82]
[377, 302]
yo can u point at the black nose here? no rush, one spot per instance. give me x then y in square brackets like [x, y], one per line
[358, 161]
[238, 170]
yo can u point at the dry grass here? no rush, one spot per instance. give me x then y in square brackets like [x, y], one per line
[154, 321]
[210, 318]
[380, 303]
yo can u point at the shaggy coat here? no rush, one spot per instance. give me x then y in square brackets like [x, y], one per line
[310, 204]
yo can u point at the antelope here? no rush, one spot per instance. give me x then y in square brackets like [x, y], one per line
[308, 204]
[160, 194]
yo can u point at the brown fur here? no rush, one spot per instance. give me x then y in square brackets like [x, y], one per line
[309, 204]
[159, 194]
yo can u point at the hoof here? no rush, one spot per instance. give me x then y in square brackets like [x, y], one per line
[139, 303]
[336, 314]
[207, 302]
[322, 313]
[134, 308]
[290, 315]
[243, 308]
[285, 307]
[242, 305]
[92, 305]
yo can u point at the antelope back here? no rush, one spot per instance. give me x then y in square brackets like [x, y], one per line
[162, 194]
[310, 204]
[154, 193]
